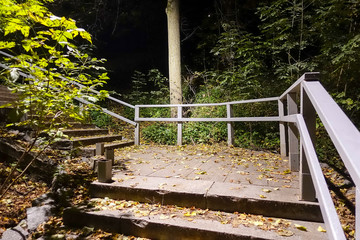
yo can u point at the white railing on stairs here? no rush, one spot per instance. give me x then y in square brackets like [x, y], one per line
[297, 135]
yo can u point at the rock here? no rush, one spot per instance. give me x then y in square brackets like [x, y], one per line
[38, 215]
[16, 233]
[44, 199]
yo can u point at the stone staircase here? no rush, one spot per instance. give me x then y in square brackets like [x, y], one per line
[163, 205]
[84, 137]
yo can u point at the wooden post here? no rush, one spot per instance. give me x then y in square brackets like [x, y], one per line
[282, 129]
[230, 125]
[307, 190]
[109, 155]
[99, 149]
[179, 126]
[137, 127]
[104, 171]
[294, 153]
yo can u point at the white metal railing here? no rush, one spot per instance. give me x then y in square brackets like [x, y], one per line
[308, 94]
[297, 134]
[180, 119]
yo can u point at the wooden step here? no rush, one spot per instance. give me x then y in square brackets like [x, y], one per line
[78, 125]
[79, 142]
[90, 151]
[85, 132]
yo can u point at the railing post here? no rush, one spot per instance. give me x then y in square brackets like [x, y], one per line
[179, 126]
[282, 129]
[137, 127]
[357, 213]
[230, 125]
[294, 153]
[307, 190]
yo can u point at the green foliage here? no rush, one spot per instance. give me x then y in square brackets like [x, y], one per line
[160, 133]
[46, 51]
[101, 119]
[45, 48]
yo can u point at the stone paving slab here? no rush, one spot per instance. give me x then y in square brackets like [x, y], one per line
[155, 227]
[243, 166]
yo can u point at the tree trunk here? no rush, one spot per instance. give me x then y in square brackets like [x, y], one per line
[173, 18]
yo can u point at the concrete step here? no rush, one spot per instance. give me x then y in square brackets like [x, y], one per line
[8, 97]
[4, 102]
[90, 151]
[79, 142]
[228, 197]
[168, 225]
[77, 125]
[85, 132]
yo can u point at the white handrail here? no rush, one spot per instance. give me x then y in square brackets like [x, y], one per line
[209, 104]
[342, 131]
[331, 219]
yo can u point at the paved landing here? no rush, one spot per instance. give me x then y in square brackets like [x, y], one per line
[204, 162]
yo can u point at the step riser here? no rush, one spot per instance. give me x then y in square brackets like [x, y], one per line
[146, 228]
[90, 141]
[7, 98]
[75, 125]
[90, 152]
[290, 210]
[89, 132]
[68, 144]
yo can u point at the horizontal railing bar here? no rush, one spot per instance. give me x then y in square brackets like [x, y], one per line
[242, 119]
[210, 104]
[343, 133]
[288, 118]
[107, 111]
[328, 211]
[83, 100]
[72, 82]
[296, 85]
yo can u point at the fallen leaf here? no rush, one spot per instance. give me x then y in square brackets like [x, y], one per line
[262, 196]
[266, 190]
[300, 227]
[321, 229]
[190, 214]
[285, 233]
[258, 223]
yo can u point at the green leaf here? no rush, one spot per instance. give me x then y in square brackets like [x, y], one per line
[5, 44]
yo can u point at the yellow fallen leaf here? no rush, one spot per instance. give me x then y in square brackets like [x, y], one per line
[188, 214]
[288, 171]
[300, 227]
[285, 233]
[266, 190]
[321, 229]
[258, 223]
[262, 196]
[201, 173]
